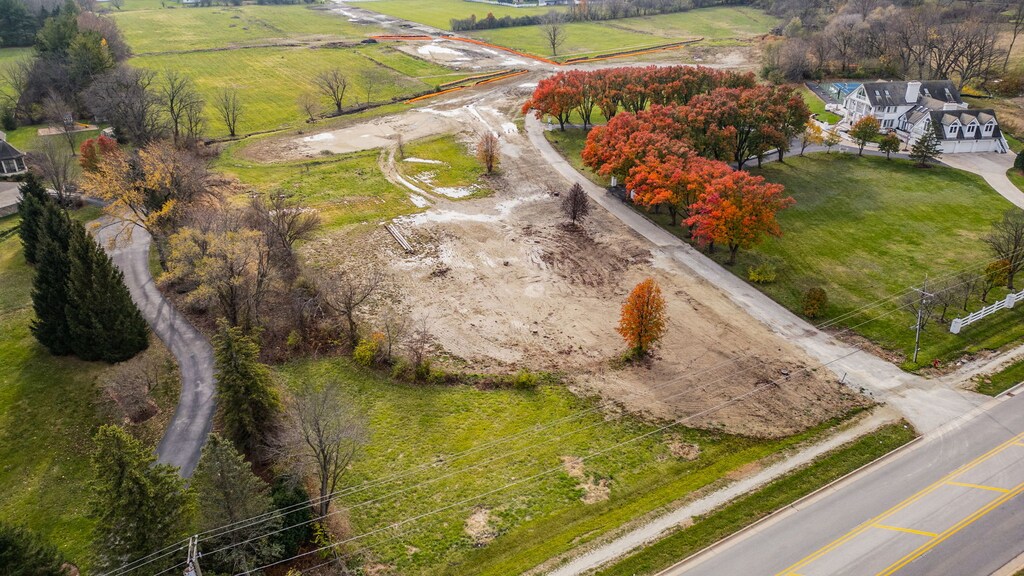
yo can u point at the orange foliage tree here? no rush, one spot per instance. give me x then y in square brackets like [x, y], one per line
[643, 318]
[93, 149]
[737, 210]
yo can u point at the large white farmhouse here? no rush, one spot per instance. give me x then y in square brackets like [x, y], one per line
[910, 108]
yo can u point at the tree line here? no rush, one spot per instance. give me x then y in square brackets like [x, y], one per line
[585, 12]
[670, 134]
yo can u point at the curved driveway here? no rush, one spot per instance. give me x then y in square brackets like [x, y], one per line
[183, 440]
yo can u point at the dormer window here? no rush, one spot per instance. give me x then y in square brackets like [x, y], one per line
[970, 129]
[989, 127]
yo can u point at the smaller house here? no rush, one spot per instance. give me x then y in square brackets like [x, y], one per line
[12, 162]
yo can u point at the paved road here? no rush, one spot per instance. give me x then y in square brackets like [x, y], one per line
[8, 198]
[949, 506]
[928, 404]
[183, 440]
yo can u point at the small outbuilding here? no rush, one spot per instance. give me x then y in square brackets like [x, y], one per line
[12, 161]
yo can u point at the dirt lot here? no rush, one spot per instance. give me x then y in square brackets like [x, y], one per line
[503, 284]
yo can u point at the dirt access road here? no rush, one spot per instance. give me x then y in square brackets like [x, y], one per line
[503, 284]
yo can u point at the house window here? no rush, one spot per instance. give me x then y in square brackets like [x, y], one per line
[988, 128]
[970, 130]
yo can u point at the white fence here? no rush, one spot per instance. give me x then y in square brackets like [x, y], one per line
[973, 317]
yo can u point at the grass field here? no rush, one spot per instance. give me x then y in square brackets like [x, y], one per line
[588, 38]
[867, 229]
[194, 29]
[540, 516]
[270, 80]
[817, 106]
[47, 417]
[347, 189]
[458, 168]
[746, 510]
[438, 13]
[27, 138]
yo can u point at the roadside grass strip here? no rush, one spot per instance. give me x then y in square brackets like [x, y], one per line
[747, 510]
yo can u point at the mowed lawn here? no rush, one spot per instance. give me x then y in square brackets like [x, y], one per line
[174, 30]
[867, 228]
[530, 509]
[346, 189]
[47, 417]
[588, 38]
[270, 80]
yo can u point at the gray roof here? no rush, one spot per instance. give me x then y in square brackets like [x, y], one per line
[895, 93]
[942, 118]
[8, 152]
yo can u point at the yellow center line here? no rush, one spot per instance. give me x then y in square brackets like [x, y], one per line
[907, 530]
[1016, 440]
[978, 486]
[951, 531]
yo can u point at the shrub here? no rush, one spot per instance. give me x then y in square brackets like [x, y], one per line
[763, 273]
[421, 373]
[815, 302]
[1018, 162]
[524, 380]
[7, 119]
[288, 495]
[401, 370]
[367, 352]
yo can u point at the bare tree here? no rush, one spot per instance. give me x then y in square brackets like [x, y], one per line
[309, 106]
[965, 284]
[487, 150]
[57, 166]
[332, 83]
[15, 77]
[230, 109]
[553, 29]
[576, 204]
[1007, 242]
[372, 78]
[1017, 22]
[845, 33]
[127, 98]
[283, 221]
[346, 292]
[419, 344]
[182, 104]
[61, 117]
[322, 436]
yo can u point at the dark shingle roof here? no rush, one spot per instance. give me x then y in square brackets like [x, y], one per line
[8, 152]
[895, 93]
[941, 118]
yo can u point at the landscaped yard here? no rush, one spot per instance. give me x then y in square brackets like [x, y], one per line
[47, 417]
[270, 80]
[817, 106]
[518, 441]
[346, 189]
[172, 30]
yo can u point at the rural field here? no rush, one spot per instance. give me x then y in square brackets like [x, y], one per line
[438, 13]
[190, 29]
[536, 443]
[269, 80]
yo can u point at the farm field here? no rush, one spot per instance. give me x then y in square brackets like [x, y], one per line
[873, 232]
[587, 38]
[513, 435]
[346, 189]
[269, 80]
[171, 30]
[438, 13]
[47, 416]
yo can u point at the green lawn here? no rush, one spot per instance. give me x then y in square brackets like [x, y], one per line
[269, 80]
[347, 189]
[458, 170]
[9, 56]
[27, 138]
[1003, 380]
[438, 13]
[817, 106]
[535, 520]
[1016, 177]
[47, 417]
[745, 511]
[192, 29]
[589, 38]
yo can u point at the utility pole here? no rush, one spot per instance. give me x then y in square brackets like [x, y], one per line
[922, 300]
[192, 563]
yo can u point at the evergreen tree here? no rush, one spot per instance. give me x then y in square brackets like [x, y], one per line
[1018, 162]
[926, 149]
[246, 397]
[50, 285]
[103, 322]
[30, 209]
[228, 492]
[288, 494]
[25, 553]
[139, 506]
